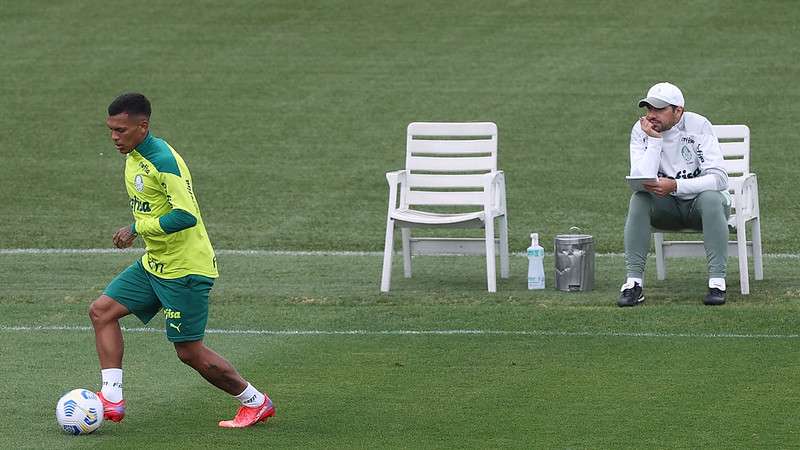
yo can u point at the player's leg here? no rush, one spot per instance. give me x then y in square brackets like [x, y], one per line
[129, 292]
[637, 233]
[185, 303]
[211, 366]
[256, 406]
[105, 313]
[644, 209]
[709, 212]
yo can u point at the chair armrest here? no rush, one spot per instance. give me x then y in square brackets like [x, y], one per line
[492, 177]
[746, 194]
[396, 176]
[495, 188]
[748, 179]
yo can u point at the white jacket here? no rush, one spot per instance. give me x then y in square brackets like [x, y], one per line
[688, 152]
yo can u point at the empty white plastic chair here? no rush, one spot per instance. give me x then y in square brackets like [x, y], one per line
[448, 164]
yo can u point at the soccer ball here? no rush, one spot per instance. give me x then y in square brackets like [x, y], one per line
[79, 411]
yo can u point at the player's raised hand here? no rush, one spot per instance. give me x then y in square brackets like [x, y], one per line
[647, 127]
[123, 238]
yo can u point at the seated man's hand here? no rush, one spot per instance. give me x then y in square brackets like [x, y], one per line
[663, 187]
[648, 128]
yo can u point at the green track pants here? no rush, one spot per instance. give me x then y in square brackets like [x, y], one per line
[708, 212]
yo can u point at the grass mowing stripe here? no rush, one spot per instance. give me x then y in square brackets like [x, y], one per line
[546, 333]
[245, 252]
[100, 251]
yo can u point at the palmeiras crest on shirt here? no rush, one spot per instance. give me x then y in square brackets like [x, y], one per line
[138, 183]
[686, 153]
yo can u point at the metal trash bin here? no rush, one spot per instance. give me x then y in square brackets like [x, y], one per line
[574, 256]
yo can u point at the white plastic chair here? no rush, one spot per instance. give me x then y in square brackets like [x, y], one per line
[448, 164]
[743, 186]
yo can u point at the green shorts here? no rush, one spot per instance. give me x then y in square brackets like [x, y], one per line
[185, 300]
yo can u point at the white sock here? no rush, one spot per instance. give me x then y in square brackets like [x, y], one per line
[629, 283]
[250, 397]
[112, 384]
[718, 283]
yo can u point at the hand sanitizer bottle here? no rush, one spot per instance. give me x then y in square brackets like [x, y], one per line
[535, 263]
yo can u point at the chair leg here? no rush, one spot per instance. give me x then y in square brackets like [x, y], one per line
[758, 263]
[406, 233]
[504, 269]
[741, 247]
[661, 264]
[388, 249]
[491, 280]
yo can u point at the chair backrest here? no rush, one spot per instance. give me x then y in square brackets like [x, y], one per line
[446, 162]
[734, 140]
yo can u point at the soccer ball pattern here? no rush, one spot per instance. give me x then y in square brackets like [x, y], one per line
[79, 411]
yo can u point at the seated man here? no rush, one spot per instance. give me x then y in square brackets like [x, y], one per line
[680, 149]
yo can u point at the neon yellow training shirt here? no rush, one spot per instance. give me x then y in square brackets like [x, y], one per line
[166, 212]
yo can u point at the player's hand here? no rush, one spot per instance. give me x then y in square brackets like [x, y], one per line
[663, 187]
[647, 127]
[123, 238]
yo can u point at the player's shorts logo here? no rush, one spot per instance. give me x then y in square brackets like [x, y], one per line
[171, 314]
[138, 183]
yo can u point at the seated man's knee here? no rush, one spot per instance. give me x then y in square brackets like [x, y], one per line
[640, 200]
[641, 205]
[640, 196]
[710, 202]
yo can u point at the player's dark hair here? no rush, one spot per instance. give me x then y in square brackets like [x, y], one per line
[132, 103]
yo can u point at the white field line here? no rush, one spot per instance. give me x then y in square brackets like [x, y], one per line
[97, 251]
[462, 332]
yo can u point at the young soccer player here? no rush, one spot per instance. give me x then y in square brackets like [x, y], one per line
[175, 274]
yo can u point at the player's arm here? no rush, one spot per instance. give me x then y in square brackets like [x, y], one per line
[645, 151]
[180, 217]
[171, 222]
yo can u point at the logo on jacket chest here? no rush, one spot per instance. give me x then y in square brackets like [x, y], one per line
[683, 174]
[140, 205]
[686, 154]
[138, 183]
[688, 146]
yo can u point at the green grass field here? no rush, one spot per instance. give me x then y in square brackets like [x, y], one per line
[288, 114]
[537, 370]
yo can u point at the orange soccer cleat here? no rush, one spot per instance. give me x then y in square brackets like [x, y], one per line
[114, 412]
[247, 416]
